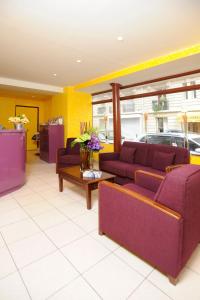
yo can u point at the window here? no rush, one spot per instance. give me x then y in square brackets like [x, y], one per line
[160, 124]
[127, 106]
[160, 104]
[190, 94]
[101, 110]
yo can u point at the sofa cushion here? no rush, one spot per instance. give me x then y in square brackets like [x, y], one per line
[127, 154]
[140, 153]
[140, 190]
[181, 154]
[70, 159]
[115, 167]
[131, 168]
[161, 160]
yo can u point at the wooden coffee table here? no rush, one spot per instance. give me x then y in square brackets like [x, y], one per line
[73, 174]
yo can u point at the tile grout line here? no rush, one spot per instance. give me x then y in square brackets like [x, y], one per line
[130, 265]
[59, 249]
[87, 233]
[159, 288]
[65, 258]
[18, 270]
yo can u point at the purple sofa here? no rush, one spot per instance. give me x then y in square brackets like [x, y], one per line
[141, 156]
[68, 156]
[161, 226]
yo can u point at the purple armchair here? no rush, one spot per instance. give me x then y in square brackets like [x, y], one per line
[68, 156]
[161, 225]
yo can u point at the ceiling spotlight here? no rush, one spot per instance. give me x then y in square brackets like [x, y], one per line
[120, 38]
[54, 74]
[78, 60]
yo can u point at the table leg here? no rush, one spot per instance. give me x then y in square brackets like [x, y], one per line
[88, 197]
[60, 183]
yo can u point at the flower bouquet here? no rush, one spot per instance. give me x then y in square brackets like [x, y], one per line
[89, 143]
[19, 121]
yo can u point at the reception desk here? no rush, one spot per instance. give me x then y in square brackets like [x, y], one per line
[12, 160]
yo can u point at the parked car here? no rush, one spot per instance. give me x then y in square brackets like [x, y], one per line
[175, 139]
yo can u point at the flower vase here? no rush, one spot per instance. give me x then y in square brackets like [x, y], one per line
[85, 157]
[18, 126]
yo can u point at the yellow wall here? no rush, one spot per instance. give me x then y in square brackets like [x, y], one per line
[75, 107]
[195, 160]
[7, 109]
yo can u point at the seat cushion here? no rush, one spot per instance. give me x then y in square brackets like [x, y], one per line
[115, 167]
[161, 160]
[127, 154]
[131, 168]
[140, 190]
[70, 159]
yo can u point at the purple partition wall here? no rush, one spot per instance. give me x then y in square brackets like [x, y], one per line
[12, 160]
[51, 138]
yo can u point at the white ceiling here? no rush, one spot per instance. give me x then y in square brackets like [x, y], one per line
[175, 67]
[42, 37]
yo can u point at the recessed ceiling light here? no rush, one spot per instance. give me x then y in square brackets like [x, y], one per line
[120, 38]
[54, 74]
[78, 60]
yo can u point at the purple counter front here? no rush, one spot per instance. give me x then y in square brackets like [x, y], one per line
[12, 160]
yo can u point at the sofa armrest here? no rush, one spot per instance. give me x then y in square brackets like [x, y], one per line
[147, 228]
[61, 151]
[172, 167]
[108, 156]
[148, 180]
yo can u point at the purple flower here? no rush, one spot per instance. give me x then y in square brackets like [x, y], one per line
[94, 144]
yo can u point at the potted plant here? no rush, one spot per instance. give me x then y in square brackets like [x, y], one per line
[89, 143]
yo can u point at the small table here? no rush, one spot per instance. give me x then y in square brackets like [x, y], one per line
[73, 175]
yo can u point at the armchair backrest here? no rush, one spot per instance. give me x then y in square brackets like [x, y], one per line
[72, 150]
[180, 191]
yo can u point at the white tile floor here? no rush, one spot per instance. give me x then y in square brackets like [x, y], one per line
[50, 249]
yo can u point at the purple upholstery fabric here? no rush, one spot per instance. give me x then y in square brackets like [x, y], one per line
[131, 168]
[72, 150]
[70, 159]
[108, 156]
[141, 228]
[68, 156]
[161, 160]
[148, 181]
[127, 154]
[165, 241]
[122, 180]
[143, 158]
[182, 155]
[114, 166]
[140, 190]
[180, 191]
[140, 153]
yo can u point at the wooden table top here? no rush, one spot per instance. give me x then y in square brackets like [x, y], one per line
[74, 173]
